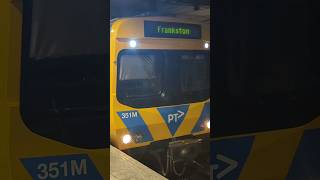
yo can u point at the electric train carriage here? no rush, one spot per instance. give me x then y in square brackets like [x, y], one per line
[159, 84]
[53, 66]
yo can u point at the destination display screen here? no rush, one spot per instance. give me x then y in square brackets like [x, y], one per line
[171, 30]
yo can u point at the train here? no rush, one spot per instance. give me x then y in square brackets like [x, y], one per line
[160, 89]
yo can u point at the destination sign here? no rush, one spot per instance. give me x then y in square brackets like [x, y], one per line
[171, 30]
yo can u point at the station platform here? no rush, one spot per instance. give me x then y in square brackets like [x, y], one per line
[124, 167]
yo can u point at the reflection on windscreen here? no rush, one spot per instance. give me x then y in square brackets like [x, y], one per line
[137, 67]
[148, 78]
[195, 73]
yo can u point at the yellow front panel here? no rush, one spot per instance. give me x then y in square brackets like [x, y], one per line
[189, 122]
[156, 124]
[271, 155]
[154, 121]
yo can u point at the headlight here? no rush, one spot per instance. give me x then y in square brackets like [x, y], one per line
[208, 124]
[206, 45]
[126, 139]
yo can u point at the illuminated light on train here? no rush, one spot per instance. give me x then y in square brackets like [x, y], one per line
[133, 43]
[206, 45]
[208, 124]
[126, 139]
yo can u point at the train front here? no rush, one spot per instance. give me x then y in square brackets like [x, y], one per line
[160, 89]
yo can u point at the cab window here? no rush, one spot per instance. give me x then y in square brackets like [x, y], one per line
[196, 76]
[140, 75]
[151, 78]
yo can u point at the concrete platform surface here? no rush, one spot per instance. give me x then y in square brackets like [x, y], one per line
[124, 167]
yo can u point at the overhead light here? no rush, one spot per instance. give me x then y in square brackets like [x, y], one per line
[132, 43]
[126, 139]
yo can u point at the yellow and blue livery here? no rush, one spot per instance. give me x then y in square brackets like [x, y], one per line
[159, 80]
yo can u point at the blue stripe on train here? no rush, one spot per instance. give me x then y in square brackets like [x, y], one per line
[205, 115]
[136, 125]
[306, 163]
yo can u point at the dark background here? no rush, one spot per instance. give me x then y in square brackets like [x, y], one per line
[198, 9]
[265, 65]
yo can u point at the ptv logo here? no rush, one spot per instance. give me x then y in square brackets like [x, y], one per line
[175, 117]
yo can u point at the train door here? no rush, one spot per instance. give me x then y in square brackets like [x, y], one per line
[267, 122]
[56, 89]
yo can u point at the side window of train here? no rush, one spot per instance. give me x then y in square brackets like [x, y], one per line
[265, 73]
[64, 84]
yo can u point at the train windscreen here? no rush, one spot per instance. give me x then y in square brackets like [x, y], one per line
[149, 78]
